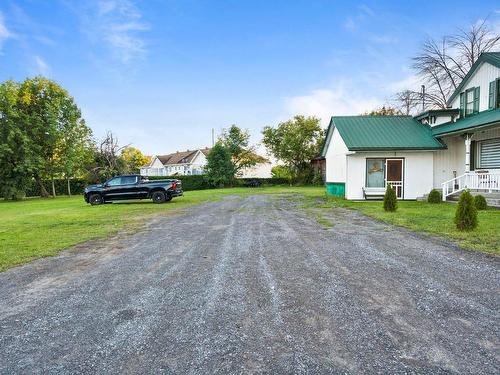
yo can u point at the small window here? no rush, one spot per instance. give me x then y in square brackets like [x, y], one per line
[375, 173]
[469, 102]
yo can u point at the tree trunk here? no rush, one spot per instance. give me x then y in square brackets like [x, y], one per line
[53, 187]
[69, 186]
[43, 192]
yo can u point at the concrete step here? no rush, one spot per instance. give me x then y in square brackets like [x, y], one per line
[492, 199]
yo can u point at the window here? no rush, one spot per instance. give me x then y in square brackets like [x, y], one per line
[128, 180]
[469, 102]
[489, 153]
[115, 181]
[494, 94]
[375, 173]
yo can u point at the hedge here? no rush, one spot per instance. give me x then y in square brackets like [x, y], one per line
[61, 186]
[199, 182]
[193, 182]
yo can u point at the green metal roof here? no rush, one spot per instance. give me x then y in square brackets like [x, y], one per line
[490, 57]
[482, 119]
[372, 133]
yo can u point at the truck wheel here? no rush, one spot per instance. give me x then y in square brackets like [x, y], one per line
[95, 199]
[158, 197]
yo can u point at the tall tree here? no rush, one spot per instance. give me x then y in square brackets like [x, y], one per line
[46, 112]
[295, 142]
[219, 169]
[237, 141]
[133, 159]
[16, 160]
[75, 149]
[443, 63]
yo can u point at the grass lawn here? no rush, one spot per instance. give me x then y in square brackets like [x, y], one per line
[430, 218]
[36, 227]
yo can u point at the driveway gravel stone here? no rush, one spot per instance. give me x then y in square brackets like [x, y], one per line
[254, 285]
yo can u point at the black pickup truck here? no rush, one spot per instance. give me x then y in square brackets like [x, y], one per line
[132, 187]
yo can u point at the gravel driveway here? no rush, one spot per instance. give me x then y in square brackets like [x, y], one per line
[254, 285]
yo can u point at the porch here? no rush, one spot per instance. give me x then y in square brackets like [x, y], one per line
[474, 181]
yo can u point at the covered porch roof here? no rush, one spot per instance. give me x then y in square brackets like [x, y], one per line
[480, 120]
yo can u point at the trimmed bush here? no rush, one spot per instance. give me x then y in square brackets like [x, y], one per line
[434, 196]
[466, 214]
[390, 199]
[480, 202]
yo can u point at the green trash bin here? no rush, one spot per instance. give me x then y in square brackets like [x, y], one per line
[337, 189]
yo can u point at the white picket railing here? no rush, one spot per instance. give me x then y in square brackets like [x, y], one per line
[472, 181]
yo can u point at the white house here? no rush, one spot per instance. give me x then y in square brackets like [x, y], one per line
[260, 170]
[190, 162]
[450, 149]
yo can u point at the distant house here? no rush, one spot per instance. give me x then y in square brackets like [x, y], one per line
[260, 170]
[449, 149]
[190, 162]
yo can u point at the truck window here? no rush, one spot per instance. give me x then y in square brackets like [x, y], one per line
[114, 181]
[128, 180]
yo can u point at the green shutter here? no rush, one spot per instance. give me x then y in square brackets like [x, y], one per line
[462, 104]
[497, 93]
[476, 100]
[491, 95]
[472, 160]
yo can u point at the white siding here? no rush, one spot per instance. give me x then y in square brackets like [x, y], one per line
[417, 172]
[336, 159]
[261, 170]
[482, 78]
[450, 160]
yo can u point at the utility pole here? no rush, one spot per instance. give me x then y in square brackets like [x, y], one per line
[423, 98]
[213, 137]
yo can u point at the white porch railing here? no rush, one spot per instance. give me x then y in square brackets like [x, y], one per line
[472, 181]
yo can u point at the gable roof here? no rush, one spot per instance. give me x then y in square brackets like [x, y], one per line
[183, 157]
[482, 119]
[490, 57]
[372, 133]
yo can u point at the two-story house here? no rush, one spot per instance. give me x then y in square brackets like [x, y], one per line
[450, 149]
[190, 162]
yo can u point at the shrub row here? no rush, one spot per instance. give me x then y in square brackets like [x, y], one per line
[199, 182]
[61, 187]
[194, 182]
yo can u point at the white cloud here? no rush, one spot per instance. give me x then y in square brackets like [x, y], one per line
[349, 24]
[41, 66]
[4, 32]
[118, 24]
[384, 39]
[327, 102]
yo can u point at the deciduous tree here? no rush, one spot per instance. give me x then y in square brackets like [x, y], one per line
[219, 169]
[443, 63]
[237, 141]
[295, 142]
[133, 159]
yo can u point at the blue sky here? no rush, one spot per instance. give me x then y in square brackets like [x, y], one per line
[160, 74]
